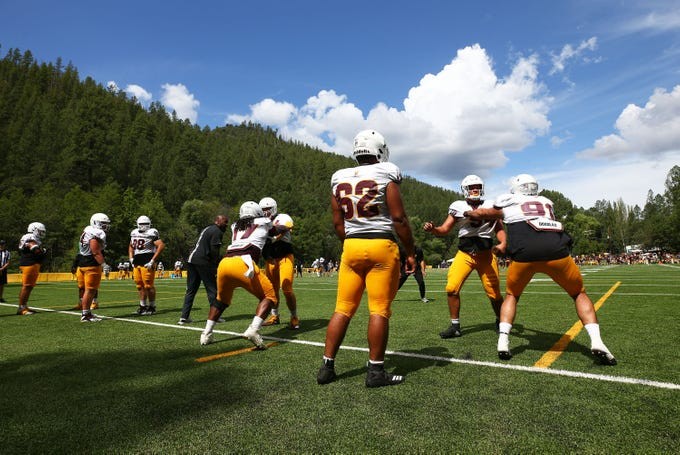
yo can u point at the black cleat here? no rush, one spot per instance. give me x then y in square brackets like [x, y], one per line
[606, 358]
[504, 355]
[326, 374]
[376, 376]
[149, 311]
[141, 310]
[452, 332]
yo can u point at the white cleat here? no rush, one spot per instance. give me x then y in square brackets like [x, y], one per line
[206, 338]
[255, 338]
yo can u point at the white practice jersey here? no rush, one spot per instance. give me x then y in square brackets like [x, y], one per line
[89, 233]
[26, 238]
[143, 242]
[361, 193]
[469, 228]
[537, 211]
[255, 236]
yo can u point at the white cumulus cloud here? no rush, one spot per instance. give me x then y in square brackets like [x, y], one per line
[138, 92]
[176, 97]
[647, 131]
[461, 120]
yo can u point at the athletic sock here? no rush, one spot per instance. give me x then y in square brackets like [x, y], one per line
[257, 323]
[504, 328]
[209, 326]
[593, 330]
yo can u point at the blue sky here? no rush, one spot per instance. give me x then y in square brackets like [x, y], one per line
[585, 95]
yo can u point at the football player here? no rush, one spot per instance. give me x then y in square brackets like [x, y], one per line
[367, 211]
[280, 263]
[80, 279]
[475, 243]
[238, 269]
[537, 243]
[31, 256]
[144, 248]
[90, 260]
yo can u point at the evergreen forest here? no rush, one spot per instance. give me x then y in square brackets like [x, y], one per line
[71, 147]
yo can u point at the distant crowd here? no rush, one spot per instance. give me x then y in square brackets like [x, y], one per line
[656, 257]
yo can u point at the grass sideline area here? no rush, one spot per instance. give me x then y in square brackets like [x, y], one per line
[144, 384]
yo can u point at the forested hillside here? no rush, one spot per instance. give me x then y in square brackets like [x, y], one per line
[72, 147]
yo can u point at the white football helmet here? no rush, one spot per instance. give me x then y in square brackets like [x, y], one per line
[37, 229]
[472, 194]
[250, 209]
[371, 143]
[269, 207]
[143, 223]
[524, 184]
[101, 221]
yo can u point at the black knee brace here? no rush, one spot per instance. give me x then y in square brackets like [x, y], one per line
[219, 305]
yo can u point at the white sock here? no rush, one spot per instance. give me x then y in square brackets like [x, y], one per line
[209, 326]
[152, 304]
[275, 311]
[142, 303]
[504, 328]
[257, 323]
[455, 321]
[593, 330]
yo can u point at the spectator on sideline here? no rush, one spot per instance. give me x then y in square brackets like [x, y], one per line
[5, 257]
[31, 256]
[202, 265]
[418, 275]
[475, 242]
[370, 258]
[537, 243]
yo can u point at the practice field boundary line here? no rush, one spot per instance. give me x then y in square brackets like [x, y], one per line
[505, 366]
[558, 348]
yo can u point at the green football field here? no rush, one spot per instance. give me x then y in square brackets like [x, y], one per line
[144, 384]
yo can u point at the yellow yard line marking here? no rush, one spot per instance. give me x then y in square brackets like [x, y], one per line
[222, 355]
[558, 348]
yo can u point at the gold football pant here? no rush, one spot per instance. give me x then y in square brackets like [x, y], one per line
[144, 278]
[280, 272]
[231, 275]
[486, 266]
[371, 264]
[563, 271]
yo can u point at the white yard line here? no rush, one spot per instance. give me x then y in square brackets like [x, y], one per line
[567, 373]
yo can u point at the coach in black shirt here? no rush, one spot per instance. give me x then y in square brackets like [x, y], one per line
[202, 265]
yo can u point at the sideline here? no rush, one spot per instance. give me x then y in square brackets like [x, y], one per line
[505, 366]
